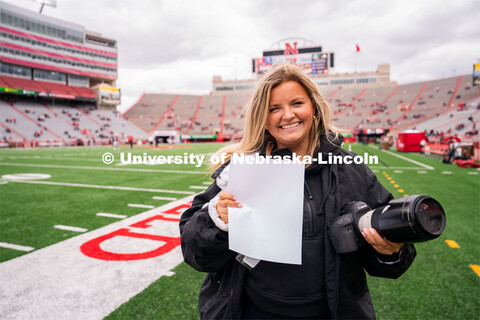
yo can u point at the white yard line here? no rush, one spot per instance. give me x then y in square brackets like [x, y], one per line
[398, 171]
[35, 165]
[103, 187]
[69, 228]
[16, 247]
[164, 198]
[111, 215]
[198, 187]
[25, 176]
[145, 206]
[409, 160]
[473, 173]
[207, 183]
[446, 172]
[98, 160]
[422, 172]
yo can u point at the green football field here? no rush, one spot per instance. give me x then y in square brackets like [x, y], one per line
[443, 282]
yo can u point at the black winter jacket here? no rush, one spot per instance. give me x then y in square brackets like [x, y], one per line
[205, 246]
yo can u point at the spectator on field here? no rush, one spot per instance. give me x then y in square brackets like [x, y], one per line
[287, 114]
[115, 143]
[423, 143]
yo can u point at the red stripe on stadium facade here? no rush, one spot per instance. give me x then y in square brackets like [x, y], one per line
[50, 54]
[53, 68]
[58, 43]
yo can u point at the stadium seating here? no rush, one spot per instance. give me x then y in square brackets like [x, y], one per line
[388, 107]
[50, 119]
[23, 123]
[232, 116]
[209, 116]
[423, 105]
[150, 110]
[27, 120]
[449, 122]
[117, 124]
[179, 116]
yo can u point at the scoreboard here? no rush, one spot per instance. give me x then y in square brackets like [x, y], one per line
[312, 60]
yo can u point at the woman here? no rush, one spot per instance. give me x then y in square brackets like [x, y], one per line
[286, 115]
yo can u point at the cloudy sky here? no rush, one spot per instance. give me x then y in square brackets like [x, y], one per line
[177, 46]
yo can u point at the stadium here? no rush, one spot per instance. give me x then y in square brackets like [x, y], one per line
[89, 233]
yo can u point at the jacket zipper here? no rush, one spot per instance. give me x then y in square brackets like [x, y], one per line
[311, 218]
[337, 259]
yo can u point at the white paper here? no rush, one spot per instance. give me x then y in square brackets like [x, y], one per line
[269, 226]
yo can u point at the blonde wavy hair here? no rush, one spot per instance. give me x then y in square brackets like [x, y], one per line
[255, 133]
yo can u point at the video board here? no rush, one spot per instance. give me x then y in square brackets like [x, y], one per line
[311, 63]
[312, 60]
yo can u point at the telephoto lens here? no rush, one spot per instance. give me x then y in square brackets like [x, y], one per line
[410, 219]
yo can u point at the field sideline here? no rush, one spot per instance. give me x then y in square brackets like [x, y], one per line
[79, 196]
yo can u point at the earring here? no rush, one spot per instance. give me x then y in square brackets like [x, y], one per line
[314, 118]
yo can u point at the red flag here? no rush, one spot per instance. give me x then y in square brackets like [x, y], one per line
[358, 48]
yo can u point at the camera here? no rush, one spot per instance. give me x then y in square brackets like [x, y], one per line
[415, 218]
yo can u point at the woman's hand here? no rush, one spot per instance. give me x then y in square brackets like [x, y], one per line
[381, 245]
[226, 200]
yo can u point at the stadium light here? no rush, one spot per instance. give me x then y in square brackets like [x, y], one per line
[51, 3]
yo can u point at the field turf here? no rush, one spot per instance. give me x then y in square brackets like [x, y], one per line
[441, 284]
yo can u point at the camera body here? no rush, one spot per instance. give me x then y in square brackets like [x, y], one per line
[410, 219]
[344, 233]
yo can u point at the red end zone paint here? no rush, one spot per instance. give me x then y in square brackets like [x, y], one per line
[93, 248]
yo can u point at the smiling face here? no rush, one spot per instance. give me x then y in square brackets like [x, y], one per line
[290, 116]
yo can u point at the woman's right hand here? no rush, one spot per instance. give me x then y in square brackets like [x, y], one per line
[226, 200]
